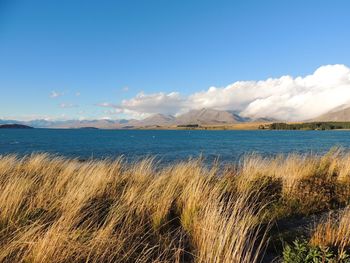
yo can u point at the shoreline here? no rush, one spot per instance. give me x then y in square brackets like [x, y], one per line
[246, 126]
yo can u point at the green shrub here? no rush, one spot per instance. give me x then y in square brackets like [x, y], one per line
[303, 252]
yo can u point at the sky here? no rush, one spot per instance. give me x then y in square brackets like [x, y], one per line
[81, 59]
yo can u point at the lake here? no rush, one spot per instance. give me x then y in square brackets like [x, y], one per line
[168, 146]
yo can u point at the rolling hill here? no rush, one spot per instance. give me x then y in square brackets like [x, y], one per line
[209, 116]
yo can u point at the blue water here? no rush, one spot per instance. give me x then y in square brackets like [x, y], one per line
[168, 146]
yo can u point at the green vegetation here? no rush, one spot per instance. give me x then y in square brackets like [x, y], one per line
[303, 252]
[308, 126]
[54, 209]
[188, 126]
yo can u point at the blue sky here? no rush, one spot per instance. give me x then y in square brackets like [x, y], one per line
[61, 59]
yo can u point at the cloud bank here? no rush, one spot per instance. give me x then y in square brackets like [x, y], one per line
[285, 98]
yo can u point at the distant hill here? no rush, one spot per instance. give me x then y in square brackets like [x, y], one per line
[74, 124]
[156, 119]
[203, 116]
[15, 126]
[9, 122]
[338, 114]
[209, 116]
[69, 124]
[88, 128]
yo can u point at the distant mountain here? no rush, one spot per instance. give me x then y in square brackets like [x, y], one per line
[70, 124]
[157, 119]
[123, 121]
[209, 116]
[266, 119]
[9, 122]
[14, 126]
[200, 117]
[75, 124]
[341, 113]
[34, 123]
[88, 128]
[39, 123]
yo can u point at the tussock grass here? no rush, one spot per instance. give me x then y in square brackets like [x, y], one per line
[334, 231]
[58, 210]
[54, 209]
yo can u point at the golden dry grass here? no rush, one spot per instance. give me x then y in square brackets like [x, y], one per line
[54, 209]
[58, 210]
[334, 232]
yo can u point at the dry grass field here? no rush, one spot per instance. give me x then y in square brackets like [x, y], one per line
[54, 209]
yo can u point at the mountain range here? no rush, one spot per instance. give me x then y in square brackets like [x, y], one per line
[203, 116]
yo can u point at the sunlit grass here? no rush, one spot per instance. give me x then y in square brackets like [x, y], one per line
[54, 209]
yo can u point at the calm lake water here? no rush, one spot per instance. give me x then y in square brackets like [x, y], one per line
[168, 146]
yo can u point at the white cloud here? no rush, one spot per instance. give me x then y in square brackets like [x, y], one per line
[112, 111]
[68, 105]
[77, 94]
[55, 94]
[284, 98]
[146, 104]
[106, 105]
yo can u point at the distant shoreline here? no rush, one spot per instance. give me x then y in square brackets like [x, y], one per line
[15, 126]
[244, 126]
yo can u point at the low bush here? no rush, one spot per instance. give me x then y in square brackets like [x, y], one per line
[303, 252]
